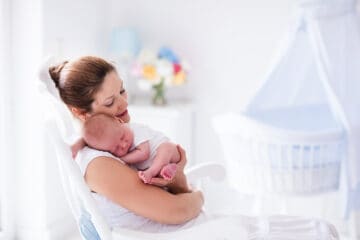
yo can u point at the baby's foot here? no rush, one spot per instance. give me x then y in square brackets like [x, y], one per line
[168, 171]
[145, 176]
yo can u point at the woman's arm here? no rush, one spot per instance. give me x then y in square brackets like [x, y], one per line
[122, 185]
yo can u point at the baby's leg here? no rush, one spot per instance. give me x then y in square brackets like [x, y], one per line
[164, 163]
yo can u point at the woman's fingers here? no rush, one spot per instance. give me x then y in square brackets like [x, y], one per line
[183, 159]
[160, 182]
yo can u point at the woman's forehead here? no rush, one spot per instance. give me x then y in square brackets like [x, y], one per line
[109, 88]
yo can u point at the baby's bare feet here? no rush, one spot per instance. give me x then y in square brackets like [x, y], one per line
[145, 176]
[168, 171]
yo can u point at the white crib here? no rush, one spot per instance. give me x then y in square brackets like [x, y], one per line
[295, 150]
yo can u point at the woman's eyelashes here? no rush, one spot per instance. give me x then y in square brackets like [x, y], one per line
[109, 104]
[123, 91]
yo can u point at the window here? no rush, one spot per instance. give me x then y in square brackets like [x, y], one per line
[6, 223]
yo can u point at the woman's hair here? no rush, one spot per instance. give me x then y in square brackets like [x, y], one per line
[78, 81]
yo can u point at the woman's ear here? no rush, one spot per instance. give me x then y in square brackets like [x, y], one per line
[78, 113]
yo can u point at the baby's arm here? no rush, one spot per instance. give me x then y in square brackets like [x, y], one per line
[77, 146]
[139, 154]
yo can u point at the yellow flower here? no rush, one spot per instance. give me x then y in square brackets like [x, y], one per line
[179, 78]
[149, 72]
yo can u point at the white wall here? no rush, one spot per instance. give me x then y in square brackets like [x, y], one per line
[229, 46]
[73, 28]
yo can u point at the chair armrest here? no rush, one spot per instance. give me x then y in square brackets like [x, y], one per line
[215, 171]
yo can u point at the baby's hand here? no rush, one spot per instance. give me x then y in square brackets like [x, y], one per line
[77, 146]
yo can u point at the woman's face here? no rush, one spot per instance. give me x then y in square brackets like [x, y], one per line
[111, 98]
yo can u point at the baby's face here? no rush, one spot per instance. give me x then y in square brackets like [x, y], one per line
[120, 140]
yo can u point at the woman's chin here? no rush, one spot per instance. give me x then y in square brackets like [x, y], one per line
[126, 118]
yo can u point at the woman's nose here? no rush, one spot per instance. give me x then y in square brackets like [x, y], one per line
[122, 102]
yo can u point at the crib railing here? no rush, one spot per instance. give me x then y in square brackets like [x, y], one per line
[261, 159]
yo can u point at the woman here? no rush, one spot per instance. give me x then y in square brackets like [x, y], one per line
[91, 85]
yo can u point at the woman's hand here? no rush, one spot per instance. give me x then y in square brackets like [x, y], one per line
[178, 184]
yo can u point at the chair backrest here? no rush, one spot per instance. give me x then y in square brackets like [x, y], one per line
[60, 130]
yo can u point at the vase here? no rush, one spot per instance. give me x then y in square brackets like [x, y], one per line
[159, 93]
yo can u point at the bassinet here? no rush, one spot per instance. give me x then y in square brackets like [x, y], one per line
[295, 150]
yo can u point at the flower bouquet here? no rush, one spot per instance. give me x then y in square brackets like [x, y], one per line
[158, 70]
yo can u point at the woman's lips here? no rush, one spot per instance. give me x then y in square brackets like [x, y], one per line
[122, 114]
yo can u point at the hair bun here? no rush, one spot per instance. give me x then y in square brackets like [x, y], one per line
[55, 71]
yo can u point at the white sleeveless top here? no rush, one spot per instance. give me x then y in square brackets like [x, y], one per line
[114, 214]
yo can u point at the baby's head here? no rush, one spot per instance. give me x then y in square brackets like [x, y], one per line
[107, 133]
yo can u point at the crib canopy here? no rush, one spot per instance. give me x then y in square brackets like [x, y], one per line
[319, 64]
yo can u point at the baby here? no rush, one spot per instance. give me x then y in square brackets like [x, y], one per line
[149, 151]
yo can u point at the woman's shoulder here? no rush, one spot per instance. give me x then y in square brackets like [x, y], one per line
[86, 155]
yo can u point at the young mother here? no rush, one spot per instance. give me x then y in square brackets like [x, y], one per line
[91, 85]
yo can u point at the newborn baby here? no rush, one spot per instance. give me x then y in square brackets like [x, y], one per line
[149, 151]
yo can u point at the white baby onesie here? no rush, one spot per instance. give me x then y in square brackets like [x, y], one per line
[143, 133]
